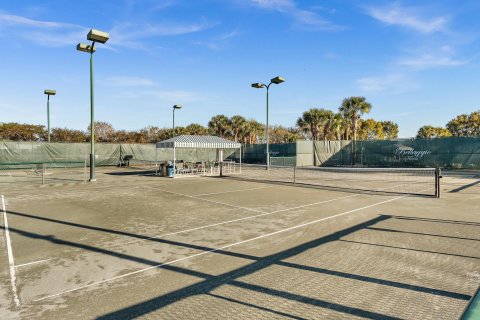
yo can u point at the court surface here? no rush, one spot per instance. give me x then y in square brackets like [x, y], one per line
[140, 246]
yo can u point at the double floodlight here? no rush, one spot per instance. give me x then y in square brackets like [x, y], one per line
[50, 92]
[97, 36]
[177, 106]
[276, 80]
[94, 36]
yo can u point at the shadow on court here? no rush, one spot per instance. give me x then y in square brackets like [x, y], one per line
[233, 277]
[465, 187]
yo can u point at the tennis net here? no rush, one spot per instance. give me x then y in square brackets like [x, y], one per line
[43, 172]
[418, 181]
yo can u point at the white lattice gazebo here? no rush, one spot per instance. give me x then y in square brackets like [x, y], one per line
[198, 142]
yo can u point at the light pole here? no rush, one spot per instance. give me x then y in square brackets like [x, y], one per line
[257, 85]
[49, 93]
[100, 37]
[177, 106]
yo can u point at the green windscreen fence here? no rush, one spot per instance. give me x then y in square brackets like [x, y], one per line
[257, 153]
[453, 152]
[107, 154]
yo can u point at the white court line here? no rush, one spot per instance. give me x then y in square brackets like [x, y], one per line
[30, 263]
[263, 213]
[215, 193]
[11, 264]
[218, 249]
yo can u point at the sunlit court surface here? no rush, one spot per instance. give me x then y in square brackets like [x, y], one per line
[136, 245]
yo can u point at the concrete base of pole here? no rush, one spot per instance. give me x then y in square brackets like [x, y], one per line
[92, 168]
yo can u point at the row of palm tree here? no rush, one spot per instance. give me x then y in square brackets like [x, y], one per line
[328, 125]
[236, 127]
[314, 124]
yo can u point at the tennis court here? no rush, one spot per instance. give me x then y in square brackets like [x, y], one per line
[134, 245]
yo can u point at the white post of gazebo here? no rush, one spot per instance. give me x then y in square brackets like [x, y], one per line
[174, 161]
[240, 158]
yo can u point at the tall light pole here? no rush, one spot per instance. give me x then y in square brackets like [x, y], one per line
[49, 93]
[257, 85]
[100, 37]
[177, 106]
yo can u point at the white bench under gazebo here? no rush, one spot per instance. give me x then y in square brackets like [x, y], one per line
[212, 146]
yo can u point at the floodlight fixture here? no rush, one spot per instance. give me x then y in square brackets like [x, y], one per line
[257, 85]
[175, 107]
[50, 92]
[86, 48]
[98, 36]
[277, 80]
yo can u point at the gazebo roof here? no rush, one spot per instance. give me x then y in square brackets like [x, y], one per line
[203, 142]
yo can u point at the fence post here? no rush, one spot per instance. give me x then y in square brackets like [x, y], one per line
[437, 181]
[84, 170]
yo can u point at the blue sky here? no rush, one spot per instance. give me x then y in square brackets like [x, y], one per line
[417, 62]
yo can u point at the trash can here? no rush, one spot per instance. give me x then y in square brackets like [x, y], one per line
[170, 170]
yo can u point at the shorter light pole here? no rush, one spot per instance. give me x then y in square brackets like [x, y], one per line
[49, 93]
[177, 106]
[257, 85]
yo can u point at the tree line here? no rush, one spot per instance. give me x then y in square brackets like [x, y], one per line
[314, 124]
[346, 123]
[464, 125]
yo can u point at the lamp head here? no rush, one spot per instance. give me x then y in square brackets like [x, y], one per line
[85, 48]
[98, 36]
[278, 80]
[258, 85]
[177, 106]
[50, 92]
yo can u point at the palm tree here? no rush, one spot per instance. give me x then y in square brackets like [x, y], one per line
[353, 108]
[236, 124]
[328, 124]
[196, 129]
[314, 121]
[337, 126]
[251, 131]
[219, 125]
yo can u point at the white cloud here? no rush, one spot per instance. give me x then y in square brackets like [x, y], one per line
[151, 30]
[44, 33]
[163, 96]
[131, 35]
[219, 42]
[301, 17]
[58, 34]
[394, 83]
[442, 57]
[394, 14]
[123, 81]
[14, 20]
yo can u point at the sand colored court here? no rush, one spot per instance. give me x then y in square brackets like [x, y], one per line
[134, 245]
